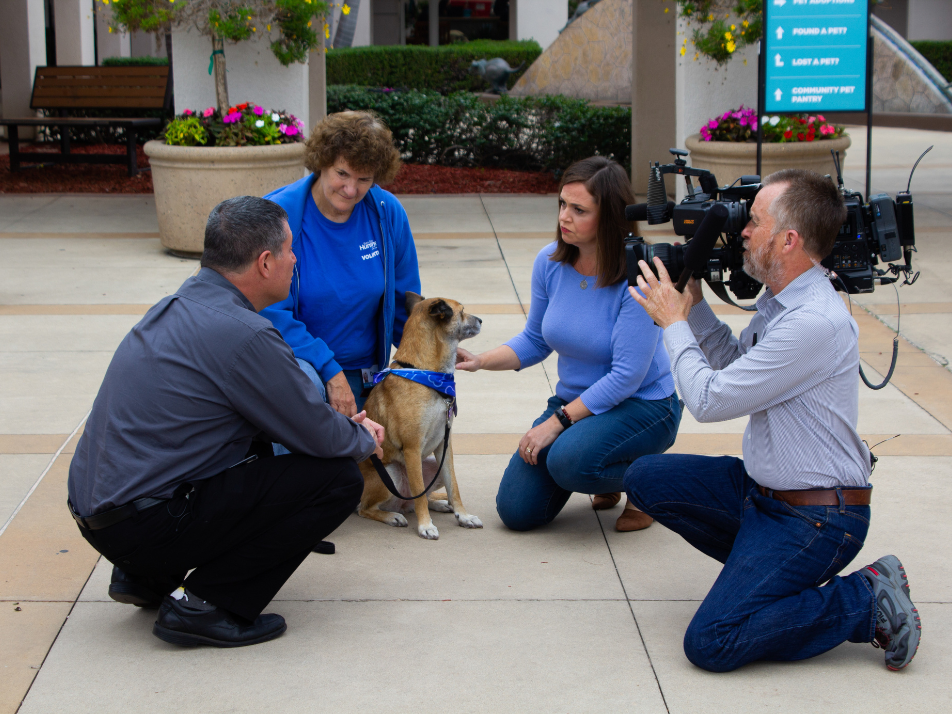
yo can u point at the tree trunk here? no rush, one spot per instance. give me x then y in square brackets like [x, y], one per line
[168, 51]
[221, 81]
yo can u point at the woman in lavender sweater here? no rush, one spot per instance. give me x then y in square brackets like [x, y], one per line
[615, 400]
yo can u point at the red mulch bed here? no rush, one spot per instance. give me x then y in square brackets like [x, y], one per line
[112, 178]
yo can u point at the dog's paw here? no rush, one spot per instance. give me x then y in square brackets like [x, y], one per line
[441, 506]
[429, 532]
[396, 520]
[467, 520]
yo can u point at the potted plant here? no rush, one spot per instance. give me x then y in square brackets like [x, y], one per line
[206, 157]
[226, 150]
[727, 145]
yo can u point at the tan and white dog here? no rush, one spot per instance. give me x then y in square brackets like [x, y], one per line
[415, 419]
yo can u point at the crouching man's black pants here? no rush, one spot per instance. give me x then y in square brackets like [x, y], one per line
[243, 531]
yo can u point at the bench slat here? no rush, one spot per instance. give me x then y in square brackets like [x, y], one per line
[160, 70]
[102, 82]
[98, 103]
[66, 93]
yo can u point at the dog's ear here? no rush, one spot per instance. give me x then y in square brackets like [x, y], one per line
[441, 311]
[411, 300]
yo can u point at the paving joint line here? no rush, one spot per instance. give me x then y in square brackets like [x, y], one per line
[43, 475]
[511, 279]
[641, 636]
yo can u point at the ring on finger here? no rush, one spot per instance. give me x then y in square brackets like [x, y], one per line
[528, 450]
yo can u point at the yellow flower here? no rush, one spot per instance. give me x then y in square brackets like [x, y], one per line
[254, 29]
[710, 18]
[745, 23]
[728, 36]
[345, 8]
[110, 29]
[666, 10]
[696, 55]
[731, 46]
[269, 28]
[683, 49]
[733, 27]
[308, 23]
[327, 31]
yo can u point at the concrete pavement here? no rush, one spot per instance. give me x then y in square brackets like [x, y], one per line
[573, 617]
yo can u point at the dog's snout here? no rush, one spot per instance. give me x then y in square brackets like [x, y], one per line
[479, 320]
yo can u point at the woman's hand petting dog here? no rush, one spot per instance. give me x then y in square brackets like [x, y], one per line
[466, 360]
[339, 395]
[375, 429]
[537, 438]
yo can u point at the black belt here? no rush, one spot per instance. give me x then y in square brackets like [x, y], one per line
[113, 515]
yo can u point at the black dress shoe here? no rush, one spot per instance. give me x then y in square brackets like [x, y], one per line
[138, 590]
[181, 625]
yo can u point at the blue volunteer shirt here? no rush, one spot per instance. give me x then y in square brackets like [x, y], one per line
[341, 305]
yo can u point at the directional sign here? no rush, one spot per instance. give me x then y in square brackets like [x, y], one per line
[816, 55]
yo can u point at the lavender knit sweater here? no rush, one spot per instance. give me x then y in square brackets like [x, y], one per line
[608, 347]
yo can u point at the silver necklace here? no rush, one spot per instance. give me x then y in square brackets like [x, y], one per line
[583, 284]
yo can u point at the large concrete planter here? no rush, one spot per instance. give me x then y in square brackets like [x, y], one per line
[189, 181]
[729, 160]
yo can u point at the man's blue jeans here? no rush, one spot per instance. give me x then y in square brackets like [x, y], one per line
[589, 457]
[778, 596]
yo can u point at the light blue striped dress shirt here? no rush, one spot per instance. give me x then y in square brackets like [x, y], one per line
[793, 371]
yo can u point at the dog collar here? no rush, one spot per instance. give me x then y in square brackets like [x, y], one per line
[441, 382]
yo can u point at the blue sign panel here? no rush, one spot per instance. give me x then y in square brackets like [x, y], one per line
[815, 55]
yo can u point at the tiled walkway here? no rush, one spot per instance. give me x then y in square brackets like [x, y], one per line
[575, 617]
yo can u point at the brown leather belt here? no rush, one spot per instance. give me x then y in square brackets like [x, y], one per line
[820, 497]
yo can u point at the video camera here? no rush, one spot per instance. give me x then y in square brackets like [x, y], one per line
[879, 230]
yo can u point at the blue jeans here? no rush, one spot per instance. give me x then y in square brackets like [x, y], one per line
[589, 457]
[778, 596]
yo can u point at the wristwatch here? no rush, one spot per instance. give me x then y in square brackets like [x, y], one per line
[564, 419]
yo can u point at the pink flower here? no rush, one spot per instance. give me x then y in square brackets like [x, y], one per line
[811, 120]
[291, 130]
[753, 125]
[821, 117]
[232, 118]
[283, 128]
[705, 133]
[707, 138]
[712, 124]
[208, 112]
[187, 112]
[258, 111]
[827, 129]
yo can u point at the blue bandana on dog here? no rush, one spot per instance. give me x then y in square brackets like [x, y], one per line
[441, 382]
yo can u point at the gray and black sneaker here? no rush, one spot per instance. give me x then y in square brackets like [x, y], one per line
[898, 627]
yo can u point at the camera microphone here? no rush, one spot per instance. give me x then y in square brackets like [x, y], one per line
[639, 211]
[698, 250]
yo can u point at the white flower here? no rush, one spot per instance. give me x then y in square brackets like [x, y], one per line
[764, 119]
[275, 117]
[259, 123]
[774, 120]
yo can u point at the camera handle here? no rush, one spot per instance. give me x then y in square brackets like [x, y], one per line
[719, 290]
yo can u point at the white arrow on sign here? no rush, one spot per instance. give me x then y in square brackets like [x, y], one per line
[779, 33]
[777, 61]
[778, 94]
[779, 3]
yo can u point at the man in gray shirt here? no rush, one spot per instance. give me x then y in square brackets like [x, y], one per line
[174, 470]
[790, 515]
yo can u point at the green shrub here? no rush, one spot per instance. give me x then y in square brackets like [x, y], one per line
[939, 55]
[531, 133]
[135, 61]
[442, 69]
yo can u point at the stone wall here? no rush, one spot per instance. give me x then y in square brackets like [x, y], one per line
[590, 60]
[899, 84]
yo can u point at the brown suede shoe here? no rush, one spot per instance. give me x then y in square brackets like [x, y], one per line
[631, 520]
[603, 501]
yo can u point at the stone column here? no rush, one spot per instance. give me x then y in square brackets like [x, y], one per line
[434, 10]
[22, 50]
[75, 39]
[317, 85]
[653, 110]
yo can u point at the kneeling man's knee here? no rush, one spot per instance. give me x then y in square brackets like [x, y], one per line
[706, 651]
[641, 476]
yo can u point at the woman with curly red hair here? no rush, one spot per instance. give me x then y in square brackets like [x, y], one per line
[356, 257]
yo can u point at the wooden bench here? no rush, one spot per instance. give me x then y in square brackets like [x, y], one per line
[61, 89]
